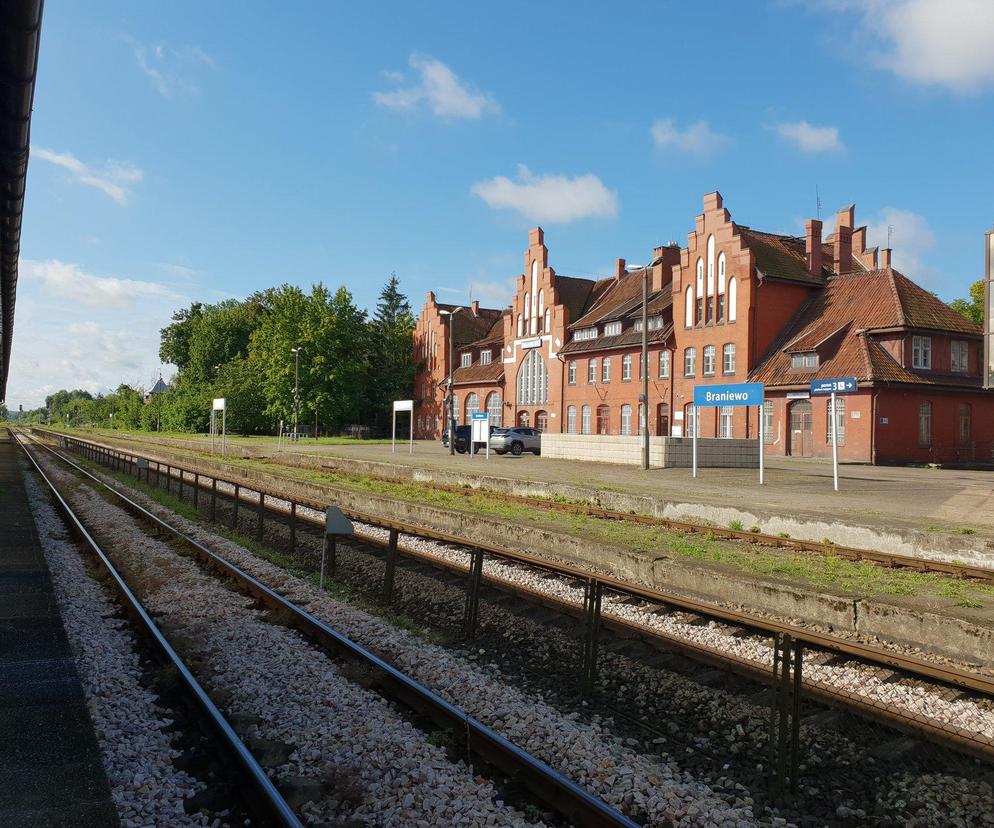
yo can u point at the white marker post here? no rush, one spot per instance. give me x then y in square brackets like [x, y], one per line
[402, 405]
[762, 443]
[693, 424]
[219, 405]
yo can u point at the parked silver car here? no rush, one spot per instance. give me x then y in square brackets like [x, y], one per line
[516, 440]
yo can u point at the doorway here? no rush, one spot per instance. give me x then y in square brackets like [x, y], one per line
[801, 436]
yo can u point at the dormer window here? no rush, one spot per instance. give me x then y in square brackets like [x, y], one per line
[585, 333]
[612, 329]
[921, 352]
[467, 360]
[655, 323]
[806, 361]
[485, 357]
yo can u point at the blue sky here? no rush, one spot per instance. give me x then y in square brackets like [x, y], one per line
[195, 151]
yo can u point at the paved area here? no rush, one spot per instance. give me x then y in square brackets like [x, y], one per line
[50, 767]
[894, 497]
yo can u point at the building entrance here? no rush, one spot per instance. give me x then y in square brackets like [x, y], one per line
[801, 437]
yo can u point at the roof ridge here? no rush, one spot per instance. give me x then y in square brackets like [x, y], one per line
[897, 295]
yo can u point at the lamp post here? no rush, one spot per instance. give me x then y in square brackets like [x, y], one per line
[644, 425]
[451, 402]
[296, 388]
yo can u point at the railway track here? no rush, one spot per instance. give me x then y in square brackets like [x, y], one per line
[885, 560]
[555, 791]
[891, 667]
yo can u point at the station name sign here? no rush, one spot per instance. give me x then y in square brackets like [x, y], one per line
[840, 385]
[738, 393]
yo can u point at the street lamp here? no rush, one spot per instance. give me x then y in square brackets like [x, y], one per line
[296, 387]
[644, 425]
[452, 409]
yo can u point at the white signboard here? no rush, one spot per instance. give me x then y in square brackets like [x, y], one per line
[480, 425]
[403, 405]
[534, 342]
[219, 404]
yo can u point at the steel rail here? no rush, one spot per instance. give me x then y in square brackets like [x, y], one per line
[943, 734]
[267, 800]
[560, 793]
[921, 668]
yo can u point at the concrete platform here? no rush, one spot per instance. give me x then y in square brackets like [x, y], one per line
[51, 773]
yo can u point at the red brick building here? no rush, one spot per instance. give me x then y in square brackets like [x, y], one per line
[736, 304]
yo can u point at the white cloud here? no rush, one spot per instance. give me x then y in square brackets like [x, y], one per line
[810, 138]
[438, 88]
[170, 69]
[911, 239]
[115, 178]
[549, 198]
[73, 329]
[697, 139]
[177, 271]
[495, 294]
[70, 281]
[929, 42]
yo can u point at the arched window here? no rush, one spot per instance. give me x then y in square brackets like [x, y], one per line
[495, 408]
[925, 424]
[541, 303]
[840, 420]
[710, 305]
[524, 419]
[732, 292]
[548, 320]
[603, 419]
[688, 312]
[721, 287]
[521, 327]
[725, 421]
[472, 405]
[571, 420]
[535, 311]
[585, 419]
[626, 419]
[528, 306]
[699, 318]
[542, 420]
[693, 419]
[533, 380]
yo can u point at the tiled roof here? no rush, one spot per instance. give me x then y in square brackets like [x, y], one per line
[614, 301]
[839, 321]
[577, 294]
[478, 374]
[629, 338]
[780, 257]
[467, 328]
[494, 336]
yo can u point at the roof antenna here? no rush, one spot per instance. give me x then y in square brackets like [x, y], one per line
[817, 204]
[890, 231]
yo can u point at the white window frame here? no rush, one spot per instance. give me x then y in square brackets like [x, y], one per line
[585, 333]
[728, 358]
[840, 420]
[465, 360]
[626, 368]
[690, 362]
[585, 424]
[591, 372]
[959, 356]
[725, 413]
[612, 329]
[571, 420]
[709, 358]
[572, 372]
[606, 369]
[486, 357]
[921, 352]
[664, 363]
[626, 419]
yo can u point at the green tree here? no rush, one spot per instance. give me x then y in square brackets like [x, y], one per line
[972, 308]
[391, 351]
[241, 386]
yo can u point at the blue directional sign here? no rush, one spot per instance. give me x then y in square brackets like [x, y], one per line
[480, 415]
[840, 385]
[735, 393]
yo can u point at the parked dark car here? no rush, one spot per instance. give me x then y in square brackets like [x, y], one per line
[463, 435]
[516, 440]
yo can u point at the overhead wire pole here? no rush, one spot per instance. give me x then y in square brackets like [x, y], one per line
[644, 425]
[296, 389]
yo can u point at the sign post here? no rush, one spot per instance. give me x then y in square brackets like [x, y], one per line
[219, 405]
[335, 525]
[831, 387]
[731, 394]
[402, 405]
[480, 424]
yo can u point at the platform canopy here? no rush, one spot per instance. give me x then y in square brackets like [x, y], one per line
[20, 30]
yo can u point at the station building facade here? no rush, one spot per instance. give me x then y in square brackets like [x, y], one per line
[735, 305]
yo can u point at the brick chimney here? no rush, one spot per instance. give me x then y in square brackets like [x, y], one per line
[842, 246]
[812, 246]
[885, 258]
[619, 269]
[476, 307]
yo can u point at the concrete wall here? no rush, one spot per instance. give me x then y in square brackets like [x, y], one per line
[664, 452]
